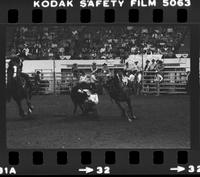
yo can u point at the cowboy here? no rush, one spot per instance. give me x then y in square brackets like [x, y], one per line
[152, 69]
[159, 66]
[94, 71]
[152, 66]
[86, 86]
[147, 75]
[75, 71]
[159, 70]
[125, 78]
[15, 71]
[136, 67]
[131, 76]
[24, 53]
[18, 61]
[105, 69]
[15, 59]
[37, 77]
[86, 81]
[83, 77]
[117, 79]
[147, 66]
[126, 67]
[10, 72]
[94, 68]
[26, 50]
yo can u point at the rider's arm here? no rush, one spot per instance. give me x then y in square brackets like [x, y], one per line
[94, 71]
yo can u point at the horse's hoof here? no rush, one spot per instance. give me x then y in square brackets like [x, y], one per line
[30, 111]
[134, 117]
[130, 120]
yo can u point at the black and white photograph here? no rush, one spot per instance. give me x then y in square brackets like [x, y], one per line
[98, 86]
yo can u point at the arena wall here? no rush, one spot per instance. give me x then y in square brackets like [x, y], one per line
[31, 66]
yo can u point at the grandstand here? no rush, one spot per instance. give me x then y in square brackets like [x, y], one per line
[97, 42]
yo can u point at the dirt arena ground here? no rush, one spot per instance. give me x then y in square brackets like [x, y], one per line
[162, 122]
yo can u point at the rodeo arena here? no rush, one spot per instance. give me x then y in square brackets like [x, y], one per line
[98, 86]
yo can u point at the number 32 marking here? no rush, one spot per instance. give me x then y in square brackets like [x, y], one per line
[103, 170]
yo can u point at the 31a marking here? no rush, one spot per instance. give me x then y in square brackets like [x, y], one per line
[7, 171]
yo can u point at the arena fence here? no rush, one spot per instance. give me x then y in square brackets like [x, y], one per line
[174, 82]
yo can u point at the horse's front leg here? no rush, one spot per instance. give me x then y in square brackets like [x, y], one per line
[21, 111]
[83, 109]
[139, 88]
[75, 109]
[135, 88]
[121, 108]
[29, 105]
[130, 110]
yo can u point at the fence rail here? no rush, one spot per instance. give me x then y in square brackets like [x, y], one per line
[174, 82]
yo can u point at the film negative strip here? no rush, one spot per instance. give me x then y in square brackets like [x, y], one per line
[99, 87]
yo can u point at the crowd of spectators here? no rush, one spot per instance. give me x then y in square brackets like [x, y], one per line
[96, 42]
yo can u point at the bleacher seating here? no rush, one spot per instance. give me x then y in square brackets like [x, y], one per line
[98, 42]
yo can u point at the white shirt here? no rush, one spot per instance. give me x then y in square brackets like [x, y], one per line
[125, 80]
[131, 77]
[26, 51]
[84, 79]
[139, 78]
[94, 98]
[93, 78]
[94, 70]
[152, 66]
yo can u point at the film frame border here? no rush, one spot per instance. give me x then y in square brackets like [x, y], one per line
[146, 156]
[22, 12]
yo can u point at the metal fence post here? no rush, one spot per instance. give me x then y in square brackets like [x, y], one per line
[54, 77]
[158, 88]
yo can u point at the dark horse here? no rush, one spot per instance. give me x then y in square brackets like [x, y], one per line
[19, 87]
[120, 93]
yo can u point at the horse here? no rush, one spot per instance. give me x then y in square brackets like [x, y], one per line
[19, 87]
[120, 93]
